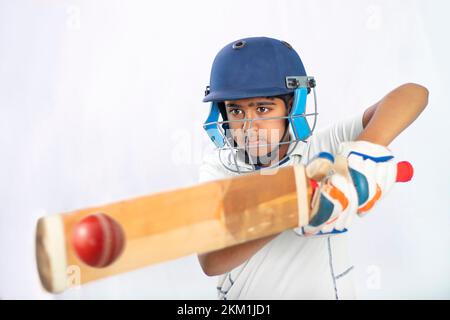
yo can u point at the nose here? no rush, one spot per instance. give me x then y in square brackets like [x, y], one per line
[249, 122]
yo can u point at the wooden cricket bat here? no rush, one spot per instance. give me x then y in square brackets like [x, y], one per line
[169, 225]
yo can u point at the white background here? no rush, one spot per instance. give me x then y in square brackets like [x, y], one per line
[101, 101]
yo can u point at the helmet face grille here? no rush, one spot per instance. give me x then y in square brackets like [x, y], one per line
[300, 125]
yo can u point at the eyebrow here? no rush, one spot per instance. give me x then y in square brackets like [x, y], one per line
[263, 103]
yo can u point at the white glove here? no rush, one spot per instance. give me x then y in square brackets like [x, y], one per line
[334, 204]
[373, 171]
[355, 186]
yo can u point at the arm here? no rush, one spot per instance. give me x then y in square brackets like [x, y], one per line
[382, 122]
[385, 120]
[224, 260]
[371, 180]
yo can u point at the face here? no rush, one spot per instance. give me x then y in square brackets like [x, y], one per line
[257, 132]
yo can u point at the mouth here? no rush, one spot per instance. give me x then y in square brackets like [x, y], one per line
[253, 142]
[258, 145]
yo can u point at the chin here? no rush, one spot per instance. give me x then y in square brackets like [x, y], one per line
[260, 154]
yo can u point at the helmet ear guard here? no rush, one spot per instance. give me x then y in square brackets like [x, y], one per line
[211, 126]
[297, 118]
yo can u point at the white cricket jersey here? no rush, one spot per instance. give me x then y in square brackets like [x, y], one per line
[293, 266]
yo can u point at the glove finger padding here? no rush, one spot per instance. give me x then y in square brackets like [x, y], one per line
[344, 183]
[386, 176]
[372, 170]
[363, 173]
[337, 201]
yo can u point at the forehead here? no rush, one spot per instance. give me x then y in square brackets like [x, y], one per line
[253, 101]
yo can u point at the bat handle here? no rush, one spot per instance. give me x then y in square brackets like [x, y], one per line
[405, 171]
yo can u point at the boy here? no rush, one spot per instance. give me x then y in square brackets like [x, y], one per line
[259, 87]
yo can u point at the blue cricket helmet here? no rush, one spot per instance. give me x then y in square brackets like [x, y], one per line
[253, 67]
[258, 67]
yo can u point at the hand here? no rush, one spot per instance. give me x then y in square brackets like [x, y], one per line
[372, 169]
[364, 173]
[334, 201]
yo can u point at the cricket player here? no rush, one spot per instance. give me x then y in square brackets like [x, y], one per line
[259, 120]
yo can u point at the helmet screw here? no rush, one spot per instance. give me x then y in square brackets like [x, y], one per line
[238, 45]
[207, 90]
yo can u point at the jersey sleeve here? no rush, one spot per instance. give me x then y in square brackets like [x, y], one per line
[329, 139]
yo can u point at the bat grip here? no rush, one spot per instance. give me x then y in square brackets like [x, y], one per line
[405, 171]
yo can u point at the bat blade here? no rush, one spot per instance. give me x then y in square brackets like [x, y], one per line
[169, 225]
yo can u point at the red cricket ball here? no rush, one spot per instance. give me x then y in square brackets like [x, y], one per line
[98, 240]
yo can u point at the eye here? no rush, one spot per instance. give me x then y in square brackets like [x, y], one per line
[263, 109]
[235, 112]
